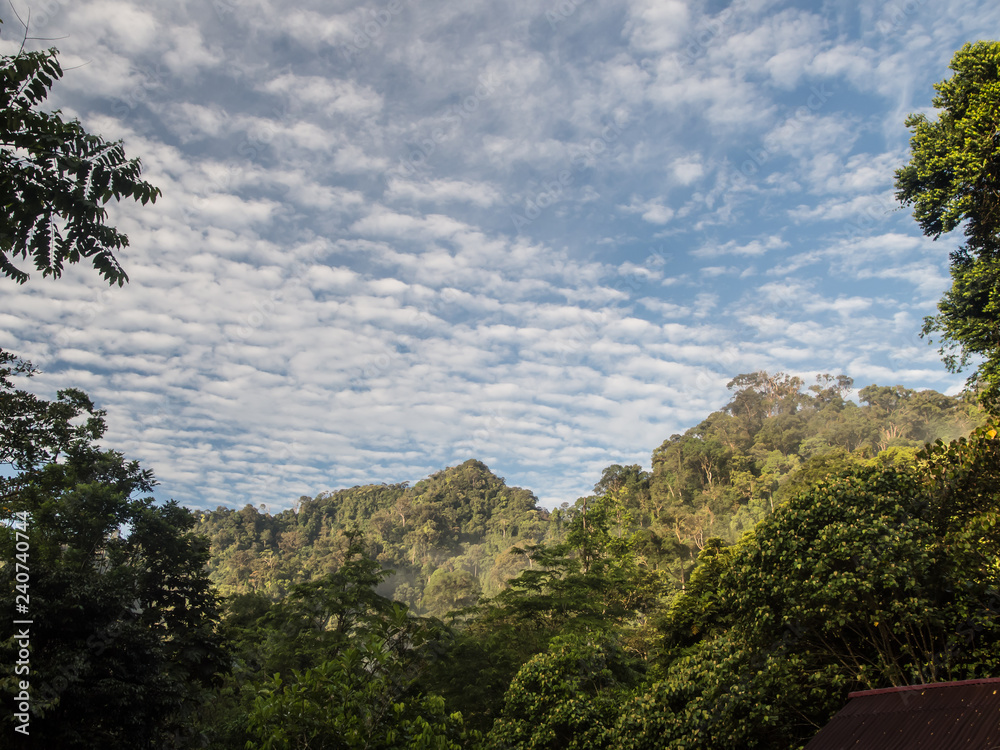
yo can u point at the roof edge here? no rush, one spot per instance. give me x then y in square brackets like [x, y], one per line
[928, 686]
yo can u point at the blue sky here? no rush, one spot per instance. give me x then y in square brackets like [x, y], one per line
[396, 235]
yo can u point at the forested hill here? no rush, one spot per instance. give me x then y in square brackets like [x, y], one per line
[446, 537]
[463, 532]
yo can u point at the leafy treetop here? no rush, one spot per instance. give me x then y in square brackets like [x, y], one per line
[953, 177]
[954, 172]
[55, 179]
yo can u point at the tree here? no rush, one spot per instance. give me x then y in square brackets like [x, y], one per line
[122, 634]
[873, 575]
[879, 576]
[449, 590]
[953, 176]
[729, 694]
[320, 617]
[591, 583]
[758, 395]
[332, 665]
[567, 698]
[56, 178]
[352, 701]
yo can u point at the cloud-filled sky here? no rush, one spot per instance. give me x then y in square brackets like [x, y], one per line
[398, 234]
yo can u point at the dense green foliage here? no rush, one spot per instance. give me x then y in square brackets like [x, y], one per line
[634, 585]
[350, 701]
[567, 697]
[332, 665]
[120, 617]
[791, 547]
[953, 177]
[448, 538]
[462, 532]
[874, 577]
[55, 179]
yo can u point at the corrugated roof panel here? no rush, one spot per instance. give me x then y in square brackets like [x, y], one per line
[943, 716]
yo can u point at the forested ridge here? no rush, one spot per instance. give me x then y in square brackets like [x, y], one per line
[447, 538]
[462, 532]
[792, 547]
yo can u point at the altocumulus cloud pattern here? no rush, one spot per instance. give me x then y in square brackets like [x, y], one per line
[396, 235]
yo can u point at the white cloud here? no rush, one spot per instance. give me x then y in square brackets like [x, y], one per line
[312, 28]
[331, 97]
[687, 170]
[657, 25]
[331, 291]
[191, 121]
[120, 25]
[480, 194]
[734, 247]
[653, 210]
[187, 54]
[351, 159]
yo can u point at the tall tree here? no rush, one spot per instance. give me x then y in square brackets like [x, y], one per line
[332, 665]
[56, 178]
[120, 636]
[567, 698]
[953, 177]
[879, 576]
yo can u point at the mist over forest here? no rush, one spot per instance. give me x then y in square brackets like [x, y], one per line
[462, 532]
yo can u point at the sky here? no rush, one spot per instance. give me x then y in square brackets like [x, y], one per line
[395, 235]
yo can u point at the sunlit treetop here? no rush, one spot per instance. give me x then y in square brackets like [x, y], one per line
[953, 178]
[954, 171]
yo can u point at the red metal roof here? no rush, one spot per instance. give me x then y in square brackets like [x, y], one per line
[940, 716]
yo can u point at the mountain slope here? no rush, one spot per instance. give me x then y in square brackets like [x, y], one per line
[458, 524]
[463, 532]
